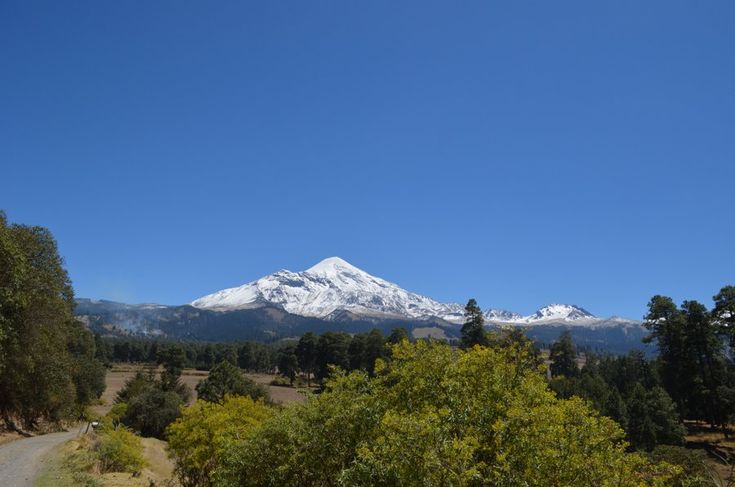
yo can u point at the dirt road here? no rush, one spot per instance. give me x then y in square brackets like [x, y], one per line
[20, 461]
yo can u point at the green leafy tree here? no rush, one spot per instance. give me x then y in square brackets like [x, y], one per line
[48, 368]
[473, 330]
[151, 411]
[436, 416]
[226, 379]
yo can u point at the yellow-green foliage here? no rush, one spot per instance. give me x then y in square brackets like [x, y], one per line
[438, 416]
[119, 450]
[199, 438]
[117, 412]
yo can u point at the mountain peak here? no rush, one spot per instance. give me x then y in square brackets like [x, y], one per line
[332, 266]
[331, 285]
[562, 311]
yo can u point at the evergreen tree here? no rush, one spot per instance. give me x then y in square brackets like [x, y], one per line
[288, 362]
[641, 429]
[397, 335]
[473, 330]
[676, 364]
[564, 356]
[691, 354]
[306, 352]
[724, 312]
[356, 352]
[615, 408]
[374, 349]
[332, 350]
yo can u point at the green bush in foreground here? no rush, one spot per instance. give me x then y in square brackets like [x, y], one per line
[435, 416]
[199, 438]
[119, 450]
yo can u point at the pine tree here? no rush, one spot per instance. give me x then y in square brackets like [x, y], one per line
[306, 352]
[397, 335]
[473, 331]
[288, 362]
[724, 312]
[564, 356]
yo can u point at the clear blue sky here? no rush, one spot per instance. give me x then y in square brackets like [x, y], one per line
[518, 152]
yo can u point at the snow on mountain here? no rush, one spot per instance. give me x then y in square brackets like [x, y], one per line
[334, 285]
[557, 315]
[566, 312]
[331, 285]
[502, 315]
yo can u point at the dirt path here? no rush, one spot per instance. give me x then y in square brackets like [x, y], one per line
[20, 461]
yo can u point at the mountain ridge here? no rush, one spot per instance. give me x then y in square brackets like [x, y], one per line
[334, 295]
[334, 284]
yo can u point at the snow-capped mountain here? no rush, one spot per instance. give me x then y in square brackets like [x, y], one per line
[502, 316]
[556, 313]
[334, 286]
[330, 286]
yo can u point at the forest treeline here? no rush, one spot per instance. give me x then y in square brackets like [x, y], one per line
[48, 366]
[311, 355]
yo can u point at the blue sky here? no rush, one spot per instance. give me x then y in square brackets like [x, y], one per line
[521, 153]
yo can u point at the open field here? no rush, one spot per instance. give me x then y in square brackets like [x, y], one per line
[117, 376]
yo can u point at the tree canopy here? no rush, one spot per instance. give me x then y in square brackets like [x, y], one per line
[48, 368]
[435, 415]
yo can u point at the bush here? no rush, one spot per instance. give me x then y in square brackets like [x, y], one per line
[198, 440]
[152, 411]
[119, 450]
[280, 381]
[695, 472]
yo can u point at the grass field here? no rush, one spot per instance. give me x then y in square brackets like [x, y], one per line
[117, 376]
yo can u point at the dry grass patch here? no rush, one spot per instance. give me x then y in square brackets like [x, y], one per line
[120, 373]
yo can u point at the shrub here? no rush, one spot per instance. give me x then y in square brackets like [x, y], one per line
[199, 439]
[280, 381]
[152, 411]
[695, 472]
[119, 450]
